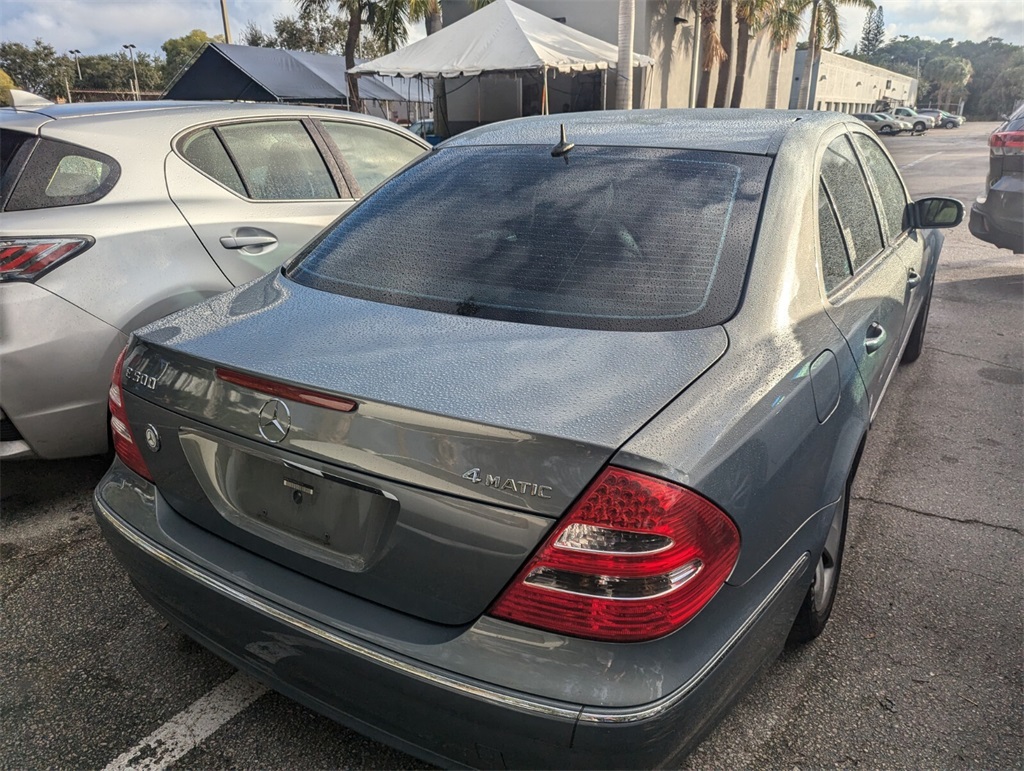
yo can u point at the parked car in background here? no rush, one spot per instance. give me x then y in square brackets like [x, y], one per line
[425, 130]
[998, 214]
[537, 455]
[115, 214]
[882, 124]
[903, 125]
[946, 120]
[919, 122]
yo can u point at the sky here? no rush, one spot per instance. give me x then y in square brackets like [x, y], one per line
[103, 26]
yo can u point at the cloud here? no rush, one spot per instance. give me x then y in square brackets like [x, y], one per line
[974, 20]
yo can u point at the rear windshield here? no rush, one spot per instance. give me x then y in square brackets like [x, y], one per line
[615, 238]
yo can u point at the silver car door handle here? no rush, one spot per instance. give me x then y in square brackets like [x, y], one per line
[913, 278]
[875, 338]
[240, 242]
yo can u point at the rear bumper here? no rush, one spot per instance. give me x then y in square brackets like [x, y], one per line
[999, 223]
[56, 368]
[429, 706]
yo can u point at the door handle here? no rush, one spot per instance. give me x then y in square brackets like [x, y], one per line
[875, 337]
[241, 242]
[913, 278]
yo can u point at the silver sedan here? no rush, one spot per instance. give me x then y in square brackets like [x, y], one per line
[544, 449]
[116, 214]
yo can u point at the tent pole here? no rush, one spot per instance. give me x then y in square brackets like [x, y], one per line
[604, 89]
[479, 102]
[544, 107]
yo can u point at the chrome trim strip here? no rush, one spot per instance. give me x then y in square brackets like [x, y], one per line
[298, 623]
[624, 715]
[655, 709]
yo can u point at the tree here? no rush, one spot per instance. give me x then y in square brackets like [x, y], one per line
[113, 72]
[725, 63]
[179, 50]
[872, 37]
[781, 19]
[951, 74]
[37, 69]
[313, 29]
[711, 45]
[748, 14]
[624, 70]
[6, 84]
[824, 31]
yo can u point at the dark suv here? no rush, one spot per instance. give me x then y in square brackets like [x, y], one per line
[998, 215]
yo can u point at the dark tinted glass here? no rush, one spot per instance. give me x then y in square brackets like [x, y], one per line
[892, 198]
[845, 180]
[617, 238]
[835, 264]
[205, 151]
[372, 153]
[278, 160]
[62, 174]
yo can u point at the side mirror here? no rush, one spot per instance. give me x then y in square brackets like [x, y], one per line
[938, 212]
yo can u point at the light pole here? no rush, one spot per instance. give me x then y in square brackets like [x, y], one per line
[135, 74]
[75, 52]
[224, 15]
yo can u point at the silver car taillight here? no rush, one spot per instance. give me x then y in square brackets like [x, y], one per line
[26, 259]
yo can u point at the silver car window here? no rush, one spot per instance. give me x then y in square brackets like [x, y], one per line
[835, 263]
[845, 180]
[278, 160]
[892, 198]
[615, 238]
[205, 151]
[372, 153]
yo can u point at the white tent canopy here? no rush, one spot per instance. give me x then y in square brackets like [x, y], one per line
[503, 37]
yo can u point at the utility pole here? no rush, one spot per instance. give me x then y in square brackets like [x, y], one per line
[75, 52]
[135, 75]
[224, 15]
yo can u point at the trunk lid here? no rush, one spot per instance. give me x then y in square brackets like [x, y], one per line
[469, 436]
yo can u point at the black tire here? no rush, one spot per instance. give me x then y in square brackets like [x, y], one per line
[813, 615]
[919, 127]
[915, 343]
[885, 130]
[949, 124]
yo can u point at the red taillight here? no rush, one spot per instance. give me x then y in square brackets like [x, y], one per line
[285, 391]
[1007, 143]
[25, 259]
[124, 443]
[634, 559]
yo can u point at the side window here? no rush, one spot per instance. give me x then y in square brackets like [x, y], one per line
[373, 154]
[62, 174]
[204, 151]
[844, 178]
[835, 263]
[278, 160]
[892, 198]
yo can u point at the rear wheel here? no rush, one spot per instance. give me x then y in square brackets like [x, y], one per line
[817, 607]
[919, 127]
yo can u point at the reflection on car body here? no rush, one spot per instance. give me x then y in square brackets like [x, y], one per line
[680, 329]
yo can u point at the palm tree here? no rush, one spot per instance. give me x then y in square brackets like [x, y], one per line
[781, 19]
[749, 14]
[711, 45]
[385, 19]
[624, 73]
[722, 91]
[825, 27]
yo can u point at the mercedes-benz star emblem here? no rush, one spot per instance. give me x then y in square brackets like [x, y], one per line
[275, 421]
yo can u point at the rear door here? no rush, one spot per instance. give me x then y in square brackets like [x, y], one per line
[256, 191]
[865, 281]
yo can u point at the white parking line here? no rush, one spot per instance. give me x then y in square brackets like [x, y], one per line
[919, 160]
[188, 728]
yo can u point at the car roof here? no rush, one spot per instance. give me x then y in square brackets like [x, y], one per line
[756, 132]
[176, 112]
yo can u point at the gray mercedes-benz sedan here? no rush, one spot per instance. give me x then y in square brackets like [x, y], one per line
[544, 448]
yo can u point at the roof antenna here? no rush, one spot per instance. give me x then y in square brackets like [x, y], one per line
[561, 150]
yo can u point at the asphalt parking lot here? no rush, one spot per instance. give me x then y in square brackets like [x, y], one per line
[921, 666]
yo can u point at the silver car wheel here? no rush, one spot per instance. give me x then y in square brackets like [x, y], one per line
[825, 572]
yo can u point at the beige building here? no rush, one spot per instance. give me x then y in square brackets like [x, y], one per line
[664, 30]
[843, 84]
